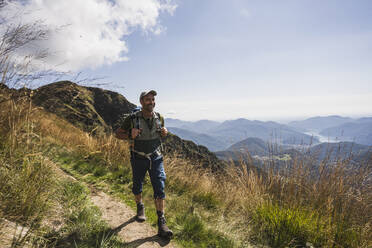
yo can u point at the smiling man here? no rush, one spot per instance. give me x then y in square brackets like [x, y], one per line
[145, 128]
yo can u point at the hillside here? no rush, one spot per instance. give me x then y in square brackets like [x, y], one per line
[259, 151]
[341, 150]
[254, 146]
[92, 109]
[236, 208]
[98, 111]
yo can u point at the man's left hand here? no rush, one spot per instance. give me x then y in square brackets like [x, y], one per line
[163, 131]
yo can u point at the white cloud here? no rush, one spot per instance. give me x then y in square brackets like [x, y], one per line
[88, 33]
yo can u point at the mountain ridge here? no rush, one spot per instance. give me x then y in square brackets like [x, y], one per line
[98, 111]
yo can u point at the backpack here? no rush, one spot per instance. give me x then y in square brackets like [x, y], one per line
[135, 120]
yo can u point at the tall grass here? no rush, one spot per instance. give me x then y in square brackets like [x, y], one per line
[242, 203]
[327, 204]
[26, 181]
[30, 189]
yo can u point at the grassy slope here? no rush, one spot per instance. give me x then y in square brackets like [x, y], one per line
[32, 194]
[205, 209]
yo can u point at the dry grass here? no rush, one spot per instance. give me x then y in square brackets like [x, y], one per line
[340, 196]
[27, 183]
[329, 205]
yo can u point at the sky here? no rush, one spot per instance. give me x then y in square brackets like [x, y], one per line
[218, 59]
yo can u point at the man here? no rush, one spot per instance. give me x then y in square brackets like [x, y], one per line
[145, 128]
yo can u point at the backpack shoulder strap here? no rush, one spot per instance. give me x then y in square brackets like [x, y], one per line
[158, 119]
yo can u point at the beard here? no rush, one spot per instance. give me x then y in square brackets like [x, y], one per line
[149, 107]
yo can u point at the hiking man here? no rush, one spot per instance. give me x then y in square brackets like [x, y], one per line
[144, 129]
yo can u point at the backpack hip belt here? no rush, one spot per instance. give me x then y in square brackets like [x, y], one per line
[147, 155]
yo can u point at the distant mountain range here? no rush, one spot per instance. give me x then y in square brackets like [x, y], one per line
[201, 126]
[97, 111]
[319, 123]
[359, 131]
[340, 128]
[254, 149]
[341, 150]
[222, 135]
[212, 143]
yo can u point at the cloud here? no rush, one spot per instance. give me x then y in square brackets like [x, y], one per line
[89, 33]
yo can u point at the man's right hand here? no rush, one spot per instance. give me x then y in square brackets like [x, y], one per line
[121, 134]
[136, 132]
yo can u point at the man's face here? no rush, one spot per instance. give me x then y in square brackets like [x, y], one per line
[148, 102]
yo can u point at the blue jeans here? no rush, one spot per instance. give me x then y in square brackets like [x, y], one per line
[157, 174]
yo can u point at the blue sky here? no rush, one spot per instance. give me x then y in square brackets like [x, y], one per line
[263, 59]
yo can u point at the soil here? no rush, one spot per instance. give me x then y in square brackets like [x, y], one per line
[121, 219]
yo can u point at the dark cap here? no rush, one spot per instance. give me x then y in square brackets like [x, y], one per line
[146, 93]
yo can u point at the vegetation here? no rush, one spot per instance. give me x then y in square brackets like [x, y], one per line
[29, 186]
[325, 206]
[295, 204]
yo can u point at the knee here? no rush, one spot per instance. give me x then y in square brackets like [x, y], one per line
[159, 186]
[136, 188]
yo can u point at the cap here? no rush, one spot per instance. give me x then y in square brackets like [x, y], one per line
[144, 93]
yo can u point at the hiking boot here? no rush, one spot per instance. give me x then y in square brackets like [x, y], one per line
[163, 230]
[140, 212]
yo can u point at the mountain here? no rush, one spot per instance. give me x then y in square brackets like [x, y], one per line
[97, 111]
[256, 146]
[233, 131]
[341, 150]
[201, 126]
[253, 146]
[170, 122]
[219, 136]
[319, 123]
[364, 119]
[359, 131]
[91, 109]
[212, 143]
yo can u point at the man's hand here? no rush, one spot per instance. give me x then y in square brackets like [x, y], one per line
[121, 134]
[136, 132]
[163, 131]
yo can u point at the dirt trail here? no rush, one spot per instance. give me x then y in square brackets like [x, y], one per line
[121, 219]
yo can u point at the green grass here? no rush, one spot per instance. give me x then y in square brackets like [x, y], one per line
[206, 199]
[29, 190]
[191, 230]
[287, 227]
[84, 226]
[194, 233]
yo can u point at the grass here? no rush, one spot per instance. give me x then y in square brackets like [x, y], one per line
[30, 190]
[286, 227]
[327, 205]
[84, 226]
[187, 233]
